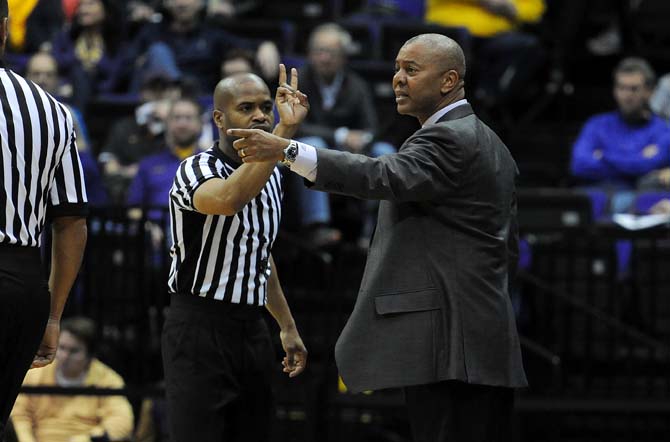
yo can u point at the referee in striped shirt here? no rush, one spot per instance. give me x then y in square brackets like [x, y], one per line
[41, 178]
[217, 352]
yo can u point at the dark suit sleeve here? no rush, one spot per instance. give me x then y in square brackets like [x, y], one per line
[428, 166]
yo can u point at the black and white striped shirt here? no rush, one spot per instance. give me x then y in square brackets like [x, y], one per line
[216, 256]
[41, 172]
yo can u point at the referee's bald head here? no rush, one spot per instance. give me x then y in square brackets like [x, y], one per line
[233, 85]
[243, 101]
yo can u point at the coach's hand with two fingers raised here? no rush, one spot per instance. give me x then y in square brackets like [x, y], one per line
[256, 146]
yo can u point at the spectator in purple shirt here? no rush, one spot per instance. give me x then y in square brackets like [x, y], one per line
[152, 183]
[616, 149]
[137, 136]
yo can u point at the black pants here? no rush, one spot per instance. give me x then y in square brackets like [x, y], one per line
[452, 411]
[24, 310]
[217, 360]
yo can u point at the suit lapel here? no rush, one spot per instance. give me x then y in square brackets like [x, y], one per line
[454, 114]
[458, 112]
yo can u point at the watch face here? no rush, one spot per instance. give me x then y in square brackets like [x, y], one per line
[292, 152]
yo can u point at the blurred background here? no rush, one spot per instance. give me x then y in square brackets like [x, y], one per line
[577, 89]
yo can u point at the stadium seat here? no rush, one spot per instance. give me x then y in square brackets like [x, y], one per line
[394, 33]
[646, 200]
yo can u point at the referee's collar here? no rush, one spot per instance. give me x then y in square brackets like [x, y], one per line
[223, 157]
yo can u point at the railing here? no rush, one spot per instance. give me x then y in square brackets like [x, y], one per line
[599, 298]
[594, 315]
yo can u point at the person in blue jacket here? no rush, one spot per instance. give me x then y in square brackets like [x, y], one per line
[615, 149]
[151, 185]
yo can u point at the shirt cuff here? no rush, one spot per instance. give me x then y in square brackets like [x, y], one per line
[305, 162]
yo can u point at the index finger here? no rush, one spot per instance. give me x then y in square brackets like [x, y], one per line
[242, 133]
[282, 73]
[294, 79]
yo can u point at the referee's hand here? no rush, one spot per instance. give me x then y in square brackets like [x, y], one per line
[256, 145]
[47, 349]
[295, 360]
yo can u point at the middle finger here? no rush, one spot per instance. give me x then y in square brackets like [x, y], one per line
[294, 78]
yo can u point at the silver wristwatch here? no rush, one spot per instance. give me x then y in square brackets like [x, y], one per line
[290, 153]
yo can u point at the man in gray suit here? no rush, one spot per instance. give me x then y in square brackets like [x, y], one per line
[433, 314]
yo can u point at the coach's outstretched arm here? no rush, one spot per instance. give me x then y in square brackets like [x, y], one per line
[426, 168]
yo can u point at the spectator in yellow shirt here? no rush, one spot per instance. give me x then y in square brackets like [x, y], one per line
[485, 18]
[51, 418]
[505, 58]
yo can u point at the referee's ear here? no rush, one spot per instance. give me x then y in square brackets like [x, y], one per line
[218, 119]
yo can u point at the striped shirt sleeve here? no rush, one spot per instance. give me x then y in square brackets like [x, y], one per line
[192, 173]
[68, 192]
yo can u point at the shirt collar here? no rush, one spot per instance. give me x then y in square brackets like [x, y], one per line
[440, 113]
[216, 150]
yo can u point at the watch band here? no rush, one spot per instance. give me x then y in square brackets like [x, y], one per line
[290, 153]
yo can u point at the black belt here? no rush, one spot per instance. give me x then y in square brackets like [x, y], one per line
[213, 306]
[20, 257]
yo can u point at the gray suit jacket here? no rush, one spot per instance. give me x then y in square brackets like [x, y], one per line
[433, 303]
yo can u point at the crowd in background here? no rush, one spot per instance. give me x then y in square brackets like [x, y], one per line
[166, 56]
[151, 52]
